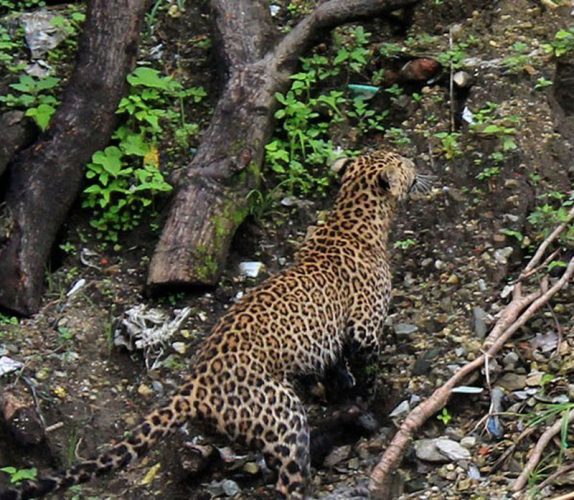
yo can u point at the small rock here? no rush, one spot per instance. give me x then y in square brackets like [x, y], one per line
[230, 488]
[401, 410]
[501, 255]
[512, 381]
[510, 360]
[405, 329]
[462, 79]
[145, 390]
[337, 456]
[354, 463]
[179, 347]
[8, 365]
[251, 468]
[452, 450]
[480, 318]
[468, 442]
[534, 379]
[453, 279]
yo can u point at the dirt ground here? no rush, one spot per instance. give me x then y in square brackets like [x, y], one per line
[90, 391]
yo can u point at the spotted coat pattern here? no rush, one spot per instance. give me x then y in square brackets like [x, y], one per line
[296, 322]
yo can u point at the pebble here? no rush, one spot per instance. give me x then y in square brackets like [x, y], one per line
[452, 450]
[179, 347]
[510, 361]
[337, 456]
[501, 255]
[468, 442]
[230, 488]
[534, 379]
[405, 329]
[401, 410]
[462, 79]
[479, 317]
[512, 381]
[145, 390]
[251, 468]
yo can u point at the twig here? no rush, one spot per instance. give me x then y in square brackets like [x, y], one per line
[546, 243]
[559, 333]
[536, 454]
[561, 471]
[451, 82]
[54, 427]
[512, 318]
[567, 496]
[525, 433]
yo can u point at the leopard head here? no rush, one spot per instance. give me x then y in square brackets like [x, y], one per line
[382, 172]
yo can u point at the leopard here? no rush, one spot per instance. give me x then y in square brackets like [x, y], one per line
[297, 322]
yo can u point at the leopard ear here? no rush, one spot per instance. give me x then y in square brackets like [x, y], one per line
[340, 165]
[389, 182]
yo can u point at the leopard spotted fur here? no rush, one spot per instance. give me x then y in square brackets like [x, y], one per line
[297, 322]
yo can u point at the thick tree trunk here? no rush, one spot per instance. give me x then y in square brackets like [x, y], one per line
[212, 200]
[45, 179]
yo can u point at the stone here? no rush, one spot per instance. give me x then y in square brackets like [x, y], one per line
[462, 79]
[512, 381]
[452, 450]
[468, 442]
[479, 319]
[440, 450]
[405, 329]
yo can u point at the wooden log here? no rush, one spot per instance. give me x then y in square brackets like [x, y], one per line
[46, 178]
[211, 202]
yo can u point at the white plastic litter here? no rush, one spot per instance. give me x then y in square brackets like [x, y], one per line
[144, 328]
[9, 365]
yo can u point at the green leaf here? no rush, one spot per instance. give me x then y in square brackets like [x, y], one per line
[41, 115]
[149, 77]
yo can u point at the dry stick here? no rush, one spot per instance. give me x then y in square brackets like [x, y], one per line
[509, 322]
[536, 454]
[546, 243]
[560, 472]
[567, 496]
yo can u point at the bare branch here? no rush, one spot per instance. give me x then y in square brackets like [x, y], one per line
[546, 243]
[325, 17]
[509, 322]
[536, 454]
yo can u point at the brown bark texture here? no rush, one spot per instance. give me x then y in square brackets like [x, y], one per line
[45, 179]
[212, 198]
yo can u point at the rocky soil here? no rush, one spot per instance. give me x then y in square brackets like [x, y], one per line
[458, 248]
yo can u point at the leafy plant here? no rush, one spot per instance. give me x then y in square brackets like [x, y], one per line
[125, 177]
[404, 244]
[444, 416]
[562, 44]
[542, 83]
[19, 475]
[519, 58]
[488, 173]
[36, 96]
[545, 217]
[450, 144]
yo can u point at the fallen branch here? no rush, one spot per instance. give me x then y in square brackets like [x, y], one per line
[536, 454]
[514, 315]
[555, 475]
